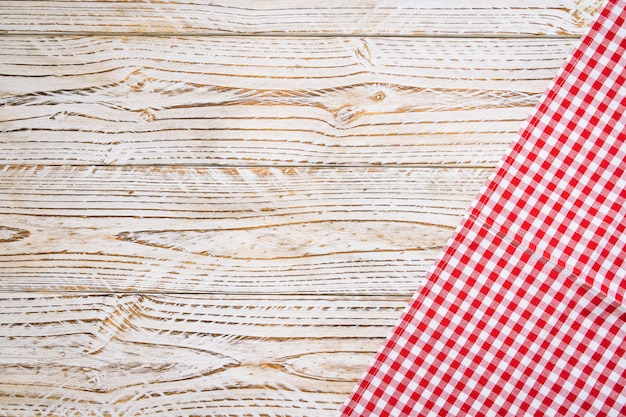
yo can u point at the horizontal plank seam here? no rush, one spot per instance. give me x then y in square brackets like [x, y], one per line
[261, 166]
[247, 294]
[287, 295]
[291, 35]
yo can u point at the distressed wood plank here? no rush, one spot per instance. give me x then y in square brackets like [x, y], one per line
[363, 236]
[329, 17]
[265, 230]
[259, 101]
[184, 355]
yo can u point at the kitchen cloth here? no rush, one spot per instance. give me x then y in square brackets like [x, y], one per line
[523, 313]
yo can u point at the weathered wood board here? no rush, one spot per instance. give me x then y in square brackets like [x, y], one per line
[228, 230]
[185, 355]
[330, 17]
[259, 101]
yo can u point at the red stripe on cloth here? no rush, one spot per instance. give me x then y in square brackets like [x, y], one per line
[523, 313]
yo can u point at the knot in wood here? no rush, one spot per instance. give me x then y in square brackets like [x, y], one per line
[379, 96]
[146, 116]
[346, 115]
[136, 81]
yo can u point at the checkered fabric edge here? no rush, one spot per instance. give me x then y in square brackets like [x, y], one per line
[496, 340]
[561, 188]
[522, 313]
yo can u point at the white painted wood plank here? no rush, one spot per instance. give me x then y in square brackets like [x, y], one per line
[227, 230]
[248, 241]
[259, 101]
[184, 355]
[329, 17]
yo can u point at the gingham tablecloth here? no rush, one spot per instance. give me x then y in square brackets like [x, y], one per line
[523, 313]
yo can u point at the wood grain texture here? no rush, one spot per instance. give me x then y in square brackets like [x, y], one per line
[227, 230]
[329, 17]
[185, 355]
[259, 101]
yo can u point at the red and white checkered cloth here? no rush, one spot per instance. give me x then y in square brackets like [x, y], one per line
[524, 314]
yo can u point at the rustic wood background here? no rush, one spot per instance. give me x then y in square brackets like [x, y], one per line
[221, 207]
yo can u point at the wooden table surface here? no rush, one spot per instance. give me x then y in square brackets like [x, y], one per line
[221, 207]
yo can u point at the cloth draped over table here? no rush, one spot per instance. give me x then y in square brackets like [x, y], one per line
[523, 313]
